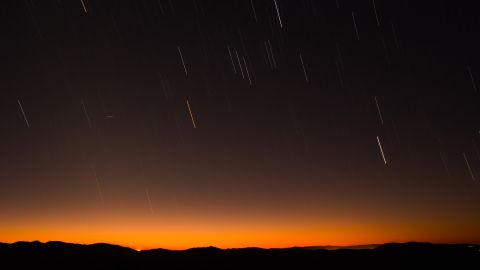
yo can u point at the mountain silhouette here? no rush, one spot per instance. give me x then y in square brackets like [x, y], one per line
[60, 255]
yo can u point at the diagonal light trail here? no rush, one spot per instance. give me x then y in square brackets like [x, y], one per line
[381, 150]
[23, 113]
[191, 115]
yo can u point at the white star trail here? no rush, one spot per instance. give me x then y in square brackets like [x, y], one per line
[468, 166]
[183, 62]
[254, 12]
[355, 25]
[444, 163]
[303, 67]
[231, 59]
[240, 65]
[99, 188]
[84, 7]
[376, 14]
[272, 55]
[395, 37]
[147, 194]
[246, 69]
[191, 115]
[23, 113]
[268, 55]
[278, 14]
[86, 114]
[378, 109]
[381, 150]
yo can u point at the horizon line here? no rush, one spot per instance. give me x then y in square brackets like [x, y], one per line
[325, 247]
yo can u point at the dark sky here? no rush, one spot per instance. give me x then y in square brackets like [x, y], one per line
[292, 104]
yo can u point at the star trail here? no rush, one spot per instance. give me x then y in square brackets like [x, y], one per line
[240, 123]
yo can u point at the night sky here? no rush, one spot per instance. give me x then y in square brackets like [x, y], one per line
[269, 123]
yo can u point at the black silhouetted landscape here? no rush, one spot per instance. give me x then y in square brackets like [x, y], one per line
[60, 255]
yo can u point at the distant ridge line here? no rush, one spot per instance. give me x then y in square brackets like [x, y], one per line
[60, 255]
[212, 248]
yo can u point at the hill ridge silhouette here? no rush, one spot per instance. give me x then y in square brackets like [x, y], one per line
[62, 255]
[199, 248]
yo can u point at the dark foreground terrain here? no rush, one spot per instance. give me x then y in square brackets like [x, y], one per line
[59, 255]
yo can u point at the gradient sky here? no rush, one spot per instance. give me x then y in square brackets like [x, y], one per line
[98, 145]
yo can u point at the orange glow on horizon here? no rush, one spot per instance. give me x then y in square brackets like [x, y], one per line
[142, 237]
[131, 223]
